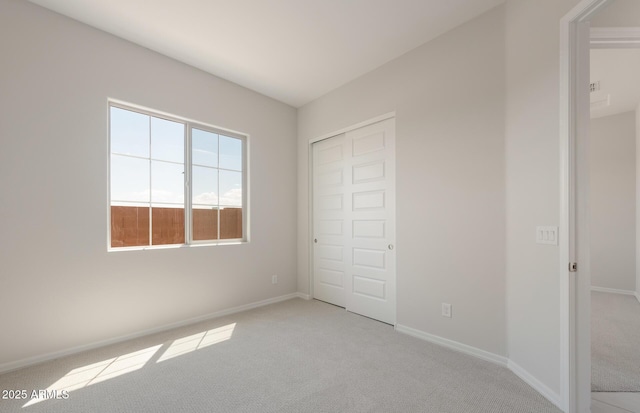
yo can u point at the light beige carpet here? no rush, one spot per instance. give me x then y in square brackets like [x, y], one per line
[615, 343]
[294, 356]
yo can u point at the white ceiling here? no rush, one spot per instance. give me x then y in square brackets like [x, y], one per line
[291, 50]
[618, 71]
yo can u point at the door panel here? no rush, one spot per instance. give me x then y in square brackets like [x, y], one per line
[329, 216]
[371, 287]
[367, 228]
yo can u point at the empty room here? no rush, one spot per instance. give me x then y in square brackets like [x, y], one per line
[299, 205]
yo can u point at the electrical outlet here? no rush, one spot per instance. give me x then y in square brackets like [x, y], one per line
[274, 279]
[446, 310]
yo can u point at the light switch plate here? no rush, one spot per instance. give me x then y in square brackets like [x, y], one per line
[547, 235]
[446, 310]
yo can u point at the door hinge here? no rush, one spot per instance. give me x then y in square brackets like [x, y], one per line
[573, 267]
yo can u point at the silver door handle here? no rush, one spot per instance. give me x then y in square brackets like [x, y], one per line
[315, 240]
[390, 246]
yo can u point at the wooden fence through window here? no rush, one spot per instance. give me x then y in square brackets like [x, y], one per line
[130, 225]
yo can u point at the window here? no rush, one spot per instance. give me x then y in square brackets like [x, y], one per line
[174, 181]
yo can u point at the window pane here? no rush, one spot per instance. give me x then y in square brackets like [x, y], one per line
[129, 226]
[129, 132]
[147, 181]
[167, 183]
[230, 153]
[230, 223]
[231, 188]
[167, 140]
[205, 148]
[205, 223]
[205, 186]
[167, 225]
[129, 179]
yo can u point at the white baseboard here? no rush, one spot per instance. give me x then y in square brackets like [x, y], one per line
[536, 384]
[14, 365]
[540, 387]
[612, 291]
[454, 345]
[303, 296]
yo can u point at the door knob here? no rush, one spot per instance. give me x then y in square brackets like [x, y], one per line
[390, 246]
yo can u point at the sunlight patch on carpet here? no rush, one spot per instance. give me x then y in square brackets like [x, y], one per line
[198, 341]
[98, 372]
[111, 368]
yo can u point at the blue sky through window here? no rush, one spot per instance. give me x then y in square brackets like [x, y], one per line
[147, 163]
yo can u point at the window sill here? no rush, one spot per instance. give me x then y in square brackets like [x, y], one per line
[175, 246]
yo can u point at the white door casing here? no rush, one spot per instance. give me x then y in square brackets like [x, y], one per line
[354, 256]
[575, 352]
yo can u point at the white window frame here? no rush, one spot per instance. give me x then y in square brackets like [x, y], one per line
[188, 216]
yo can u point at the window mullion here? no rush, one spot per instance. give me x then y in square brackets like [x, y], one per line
[150, 189]
[218, 185]
[188, 220]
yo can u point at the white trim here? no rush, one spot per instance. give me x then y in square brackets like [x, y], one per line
[540, 387]
[359, 125]
[614, 37]
[303, 296]
[612, 290]
[170, 116]
[575, 391]
[502, 361]
[310, 201]
[566, 227]
[14, 365]
[637, 295]
[453, 345]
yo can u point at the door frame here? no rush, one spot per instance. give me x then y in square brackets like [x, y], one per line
[371, 121]
[615, 37]
[575, 299]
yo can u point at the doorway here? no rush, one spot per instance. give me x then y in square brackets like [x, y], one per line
[353, 224]
[612, 159]
[575, 247]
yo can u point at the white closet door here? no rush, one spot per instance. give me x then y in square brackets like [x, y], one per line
[354, 221]
[371, 287]
[329, 223]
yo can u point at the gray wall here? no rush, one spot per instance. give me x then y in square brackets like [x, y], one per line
[612, 233]
[619, 13]
[448, 96]
[533, 176]
[59, 287]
